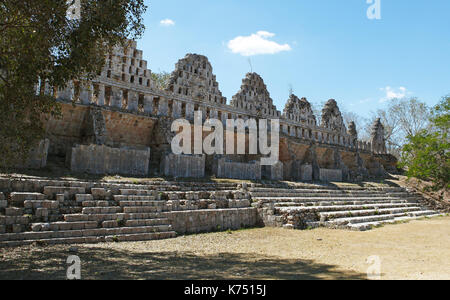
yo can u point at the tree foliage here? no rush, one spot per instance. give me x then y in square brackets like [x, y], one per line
[402, 118]
[42, 49]
[427, 153]
[161, 80]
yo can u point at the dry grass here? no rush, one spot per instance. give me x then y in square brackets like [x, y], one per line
[417, 250]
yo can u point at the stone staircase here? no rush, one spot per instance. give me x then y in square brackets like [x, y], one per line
[71, 212]
[354, 208]
[74, 212]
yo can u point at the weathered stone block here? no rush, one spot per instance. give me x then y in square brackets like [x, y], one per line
[234, 170]
[17, 228]
[100, 159]
[185, 166]
[306, 173]
[42, 212]
[13, 211]
[37, 157]
[328, 175]
[98, 193]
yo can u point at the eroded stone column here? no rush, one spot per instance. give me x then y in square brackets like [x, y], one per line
[189, 111]
[101, 95]
[117, 96]
[86, 94]
[148, 104]
[163, 107]
[133, 100]
[176, 113]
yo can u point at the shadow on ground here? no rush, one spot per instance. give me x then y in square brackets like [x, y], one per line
[111, 264]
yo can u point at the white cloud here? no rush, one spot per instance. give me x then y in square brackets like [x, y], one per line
[167, 22]
[256, 44]
[392, 93]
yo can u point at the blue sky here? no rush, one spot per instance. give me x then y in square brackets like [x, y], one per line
[322, 48]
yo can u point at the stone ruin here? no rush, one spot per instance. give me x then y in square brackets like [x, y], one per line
[119, 123]
[377, 138]
[300, 110]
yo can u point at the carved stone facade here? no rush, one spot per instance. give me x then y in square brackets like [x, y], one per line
[254, 97]
[299, 110]
[332, 117]
[123, 108]
[193, 77]
[378, 139]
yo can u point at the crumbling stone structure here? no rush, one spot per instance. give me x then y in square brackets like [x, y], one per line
[378, 138]
[124, 111]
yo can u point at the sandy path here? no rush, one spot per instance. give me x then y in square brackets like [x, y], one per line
[416, 250]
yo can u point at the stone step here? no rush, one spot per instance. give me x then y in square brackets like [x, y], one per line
[364, 219]
[120, 198]
[69, 192]
[338, 208]
[146, 222]
[86, 232]
[34, 204]
[141, 203]
[102, 210]
[340, 203]
[138, 192]
[329, 195]
[94, 239]
[64, 226]
[100, 203]
[423, 213]
[93, 217]
[367, 212]
[112, 217]
[327, 190]
[144, 209]
[325, 199]
[371, 225]
[18, 199]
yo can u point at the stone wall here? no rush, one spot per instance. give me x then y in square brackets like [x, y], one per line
[328, 175]
[37, 157]
[235, 170]
[123, 108]
[276, 171]
[82, 124]
[185, 166]
[213, 220]
[99, 159]
[306, 173]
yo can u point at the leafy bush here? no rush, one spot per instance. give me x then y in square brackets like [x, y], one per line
[427, 154]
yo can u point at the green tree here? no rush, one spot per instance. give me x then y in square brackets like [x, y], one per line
[42, 48]
[402, 118]
[427, 154]
[161, 80]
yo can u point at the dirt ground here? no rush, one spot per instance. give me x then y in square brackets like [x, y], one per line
[416, 250]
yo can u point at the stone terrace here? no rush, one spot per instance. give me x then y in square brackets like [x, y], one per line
[72, 212]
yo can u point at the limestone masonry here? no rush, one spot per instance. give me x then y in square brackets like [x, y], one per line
[120, 123]
[124, 120]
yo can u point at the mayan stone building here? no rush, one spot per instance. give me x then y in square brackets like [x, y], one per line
[120, 123]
